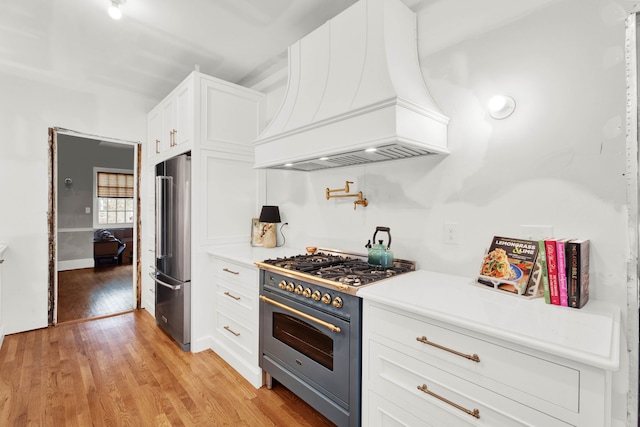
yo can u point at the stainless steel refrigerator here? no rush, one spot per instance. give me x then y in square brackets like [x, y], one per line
[172, 274]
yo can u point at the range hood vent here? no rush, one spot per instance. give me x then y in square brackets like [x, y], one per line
[355, 84]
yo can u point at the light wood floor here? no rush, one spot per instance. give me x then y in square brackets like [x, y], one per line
[94, 292]
[124, 371]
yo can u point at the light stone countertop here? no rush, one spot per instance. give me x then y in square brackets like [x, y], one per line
[590, 335]
[247, 254]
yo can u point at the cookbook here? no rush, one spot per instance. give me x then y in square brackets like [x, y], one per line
[509, 264]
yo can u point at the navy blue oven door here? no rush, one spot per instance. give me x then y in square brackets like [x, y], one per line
[310, 344]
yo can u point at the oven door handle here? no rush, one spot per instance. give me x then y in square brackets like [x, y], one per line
[331, 327]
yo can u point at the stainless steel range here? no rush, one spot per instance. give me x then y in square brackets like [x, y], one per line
[310, 327]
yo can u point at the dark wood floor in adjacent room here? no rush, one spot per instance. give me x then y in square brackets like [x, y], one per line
[94, 292]
[124, 371]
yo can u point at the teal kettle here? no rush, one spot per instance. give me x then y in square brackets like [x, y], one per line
[380, 256]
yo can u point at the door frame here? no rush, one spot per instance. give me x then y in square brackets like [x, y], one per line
[52, 216]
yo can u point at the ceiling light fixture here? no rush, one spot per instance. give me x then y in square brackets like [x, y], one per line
[371, 150]
[501, 106]
[114, 9]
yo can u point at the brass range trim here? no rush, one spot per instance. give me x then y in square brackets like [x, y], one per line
[348, 289]
[330, 326]
[309, 278]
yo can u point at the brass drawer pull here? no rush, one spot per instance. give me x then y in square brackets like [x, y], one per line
[474, 413]
[424, 340]
[232, 296]
[230, 271]
[230, 330]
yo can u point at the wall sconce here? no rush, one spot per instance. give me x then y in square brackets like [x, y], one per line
[114, 9]
[68, 182]
[271, 215]
[501, 106]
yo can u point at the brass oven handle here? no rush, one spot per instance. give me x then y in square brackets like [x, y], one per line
[474, 413]
[230, 271]
[234, 333]
[232, 296]
[473, 357]
[331, 327]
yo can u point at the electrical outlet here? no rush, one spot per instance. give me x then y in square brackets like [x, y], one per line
[87, 210]
[451, 233]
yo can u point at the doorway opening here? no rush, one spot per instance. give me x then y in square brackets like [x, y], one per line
[94, 206]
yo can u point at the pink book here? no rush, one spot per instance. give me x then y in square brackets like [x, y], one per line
[552, 267]
[562, 272]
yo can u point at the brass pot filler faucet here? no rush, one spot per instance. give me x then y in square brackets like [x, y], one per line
[361, 200]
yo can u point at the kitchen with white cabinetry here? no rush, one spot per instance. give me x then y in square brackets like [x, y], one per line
[215, 121]
[233, 295]
[438, 350]
[565, 160]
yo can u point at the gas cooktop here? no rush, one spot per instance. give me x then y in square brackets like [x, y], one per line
[342, 270]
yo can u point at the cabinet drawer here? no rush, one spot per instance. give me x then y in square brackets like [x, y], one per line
[237, 303]
[382, 413]
[517, 375]
[398, 376]
[236, 274]
[241, 339]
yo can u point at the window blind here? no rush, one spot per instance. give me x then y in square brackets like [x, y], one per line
[115, 185]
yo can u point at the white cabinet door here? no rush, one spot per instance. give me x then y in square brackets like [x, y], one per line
[232, 117]
[183, 114]
[170, 125]
[169, 108]
[154, 133]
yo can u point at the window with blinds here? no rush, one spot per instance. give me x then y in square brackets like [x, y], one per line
[115, 198]
[115, 185]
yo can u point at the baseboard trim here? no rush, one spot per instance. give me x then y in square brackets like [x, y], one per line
[74, 264]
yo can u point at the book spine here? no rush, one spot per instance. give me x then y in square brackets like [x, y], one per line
[573, 275]
[562, 273]
[552, 269]
[582, 275]
[544, 275]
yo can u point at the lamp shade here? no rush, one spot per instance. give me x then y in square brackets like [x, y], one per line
[270, 214]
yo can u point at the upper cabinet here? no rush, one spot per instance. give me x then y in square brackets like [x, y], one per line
[232, 116]
[227, 118]
[170, 125]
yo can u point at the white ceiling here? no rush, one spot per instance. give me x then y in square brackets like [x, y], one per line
[159, 42]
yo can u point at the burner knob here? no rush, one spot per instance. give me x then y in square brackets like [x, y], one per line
[326, 298]
[316, 295]
[337, 302]
[299, 290]
[290, 286]
[282, 285]
[307, 292]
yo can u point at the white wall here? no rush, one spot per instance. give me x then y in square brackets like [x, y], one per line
[560, 160]
[30, 105]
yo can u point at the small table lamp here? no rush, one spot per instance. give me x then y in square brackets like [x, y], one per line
[270, 215]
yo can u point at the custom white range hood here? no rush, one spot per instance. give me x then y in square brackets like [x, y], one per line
[354, 84]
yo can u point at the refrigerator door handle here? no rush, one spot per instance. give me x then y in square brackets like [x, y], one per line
[160, 282]
[164, 184]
